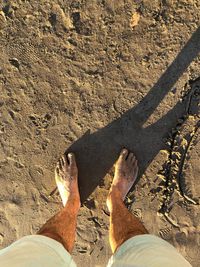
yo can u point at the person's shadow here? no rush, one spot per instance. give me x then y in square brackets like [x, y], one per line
[97, 152]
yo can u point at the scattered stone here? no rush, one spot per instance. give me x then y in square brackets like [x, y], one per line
[2, 16]
[60, 17]
[14, 62]
[134, 19]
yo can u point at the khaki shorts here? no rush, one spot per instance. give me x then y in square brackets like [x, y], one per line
[147, 251]
[139, 251]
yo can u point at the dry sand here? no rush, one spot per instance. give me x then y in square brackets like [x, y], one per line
[101, 75]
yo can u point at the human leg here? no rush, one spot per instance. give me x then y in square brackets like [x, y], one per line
[62, 226]
[129, 240]
[123, 224]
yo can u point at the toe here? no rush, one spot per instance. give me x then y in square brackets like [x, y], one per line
[59, 165]
[130, 157]
[134, 160]
[64, 159]
[135, 164]
[72, 160]
[123, 154]
[136, 170]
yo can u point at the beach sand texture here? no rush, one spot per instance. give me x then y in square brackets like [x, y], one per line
[93, 77]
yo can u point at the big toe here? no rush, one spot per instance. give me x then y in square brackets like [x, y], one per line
[72, 159]
[123, 155]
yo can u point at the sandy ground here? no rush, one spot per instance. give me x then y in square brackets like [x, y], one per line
[93, 77]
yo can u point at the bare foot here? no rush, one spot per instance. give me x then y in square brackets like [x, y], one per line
[126, 170]
[66, 175]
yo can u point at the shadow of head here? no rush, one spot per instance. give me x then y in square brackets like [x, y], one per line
[97, 152]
